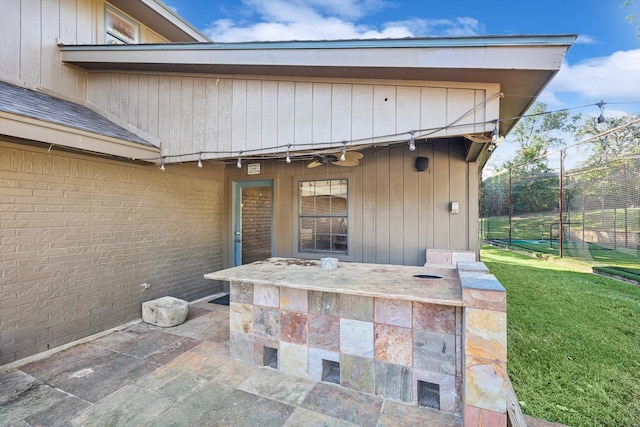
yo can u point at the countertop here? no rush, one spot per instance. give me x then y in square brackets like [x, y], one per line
[374, 280]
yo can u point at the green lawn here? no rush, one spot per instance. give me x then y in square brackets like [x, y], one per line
[573, 341]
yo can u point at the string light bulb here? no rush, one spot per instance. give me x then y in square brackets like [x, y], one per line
[343, 155]
[162, 164]
[600, 105]
[239, 163]
[494, 136]
[288, 159]
[200, 159]
[412, 141]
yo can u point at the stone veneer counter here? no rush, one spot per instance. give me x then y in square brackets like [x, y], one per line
[378, 329]
[372, 280]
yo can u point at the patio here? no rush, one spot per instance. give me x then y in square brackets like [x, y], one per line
[147, 375]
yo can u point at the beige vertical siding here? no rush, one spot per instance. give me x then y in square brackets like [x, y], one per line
[249, 114]
[81, 234]
[395, 212]
[30, 31]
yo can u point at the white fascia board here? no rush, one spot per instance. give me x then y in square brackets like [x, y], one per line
[507, 57]
[163, 10]
[27, 128]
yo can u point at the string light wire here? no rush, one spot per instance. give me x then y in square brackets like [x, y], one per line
[316, 147]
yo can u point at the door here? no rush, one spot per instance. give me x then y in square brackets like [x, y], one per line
[252, 221]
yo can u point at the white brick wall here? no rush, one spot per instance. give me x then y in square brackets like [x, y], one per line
[80, 234]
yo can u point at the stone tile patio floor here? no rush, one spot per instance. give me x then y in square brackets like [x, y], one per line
[182, 376]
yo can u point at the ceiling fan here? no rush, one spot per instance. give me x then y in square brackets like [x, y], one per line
[351, 158]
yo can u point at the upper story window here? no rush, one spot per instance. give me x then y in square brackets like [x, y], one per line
[323, 218]
[120, 29]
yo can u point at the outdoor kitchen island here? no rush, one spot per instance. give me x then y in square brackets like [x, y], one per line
[433, 336]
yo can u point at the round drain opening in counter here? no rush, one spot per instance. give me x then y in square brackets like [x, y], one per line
[427, 276]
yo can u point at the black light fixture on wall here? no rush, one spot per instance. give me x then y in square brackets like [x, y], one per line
[422, 163]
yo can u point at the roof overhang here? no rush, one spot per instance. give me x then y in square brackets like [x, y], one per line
[522, 66]
[29, 129]
[161, 19]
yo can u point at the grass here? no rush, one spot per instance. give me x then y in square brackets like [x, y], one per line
[627, 273]
[589, 252]
[573, 341]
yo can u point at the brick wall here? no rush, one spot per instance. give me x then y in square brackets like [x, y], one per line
[81, 234]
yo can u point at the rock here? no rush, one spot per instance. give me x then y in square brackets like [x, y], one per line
[165, 311]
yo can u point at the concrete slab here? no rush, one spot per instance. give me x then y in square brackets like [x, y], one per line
[39, 404]
[400, 415]
[346, 405]
[189, 382]
[305, 417]
[131, 405]
[138, 342]
[199, 409]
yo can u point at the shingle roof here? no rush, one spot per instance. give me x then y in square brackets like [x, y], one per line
[29, 103]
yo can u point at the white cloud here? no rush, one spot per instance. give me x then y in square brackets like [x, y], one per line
[329, 20]
[458, 27]
[585, 39]
[316, 29]
[611, 77]
[172, 8]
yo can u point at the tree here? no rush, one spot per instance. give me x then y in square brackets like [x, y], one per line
[632, 17]
[621, 143]
[609, 174]
[534, 183]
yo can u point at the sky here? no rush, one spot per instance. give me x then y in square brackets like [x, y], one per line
[603, 64]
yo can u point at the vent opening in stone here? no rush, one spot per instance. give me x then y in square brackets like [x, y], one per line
[429, 394]
[331, 371]
[270, 357]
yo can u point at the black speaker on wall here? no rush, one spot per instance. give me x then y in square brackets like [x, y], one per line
[422, 163]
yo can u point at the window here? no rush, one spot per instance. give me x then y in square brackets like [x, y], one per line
[119, 29]
[323, 216]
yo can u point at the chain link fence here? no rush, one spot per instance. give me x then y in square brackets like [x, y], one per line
[582, 202]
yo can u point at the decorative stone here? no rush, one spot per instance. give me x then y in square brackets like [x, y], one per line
[474, 416]
[486, 384]
[294, 359]
[165, 312]
[324, 332]
[434, 318]
[241, 318]
[393, 312]
[266, 295]
[462, 256]
[393, 344]
[241, 346]
[356, 307]
[357, 373]
[434, 352]
[438, 256]
[393, 381]
[293, 327]
[241, 292]
[447, 385]
[316, 356]
[323, 303]
[266, 322]
[294, 300]
[486, 334]
[356, 337]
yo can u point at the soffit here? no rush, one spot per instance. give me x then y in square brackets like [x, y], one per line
[161, 19]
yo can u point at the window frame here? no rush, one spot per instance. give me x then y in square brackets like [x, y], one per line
[299, 215]
[120, 38]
